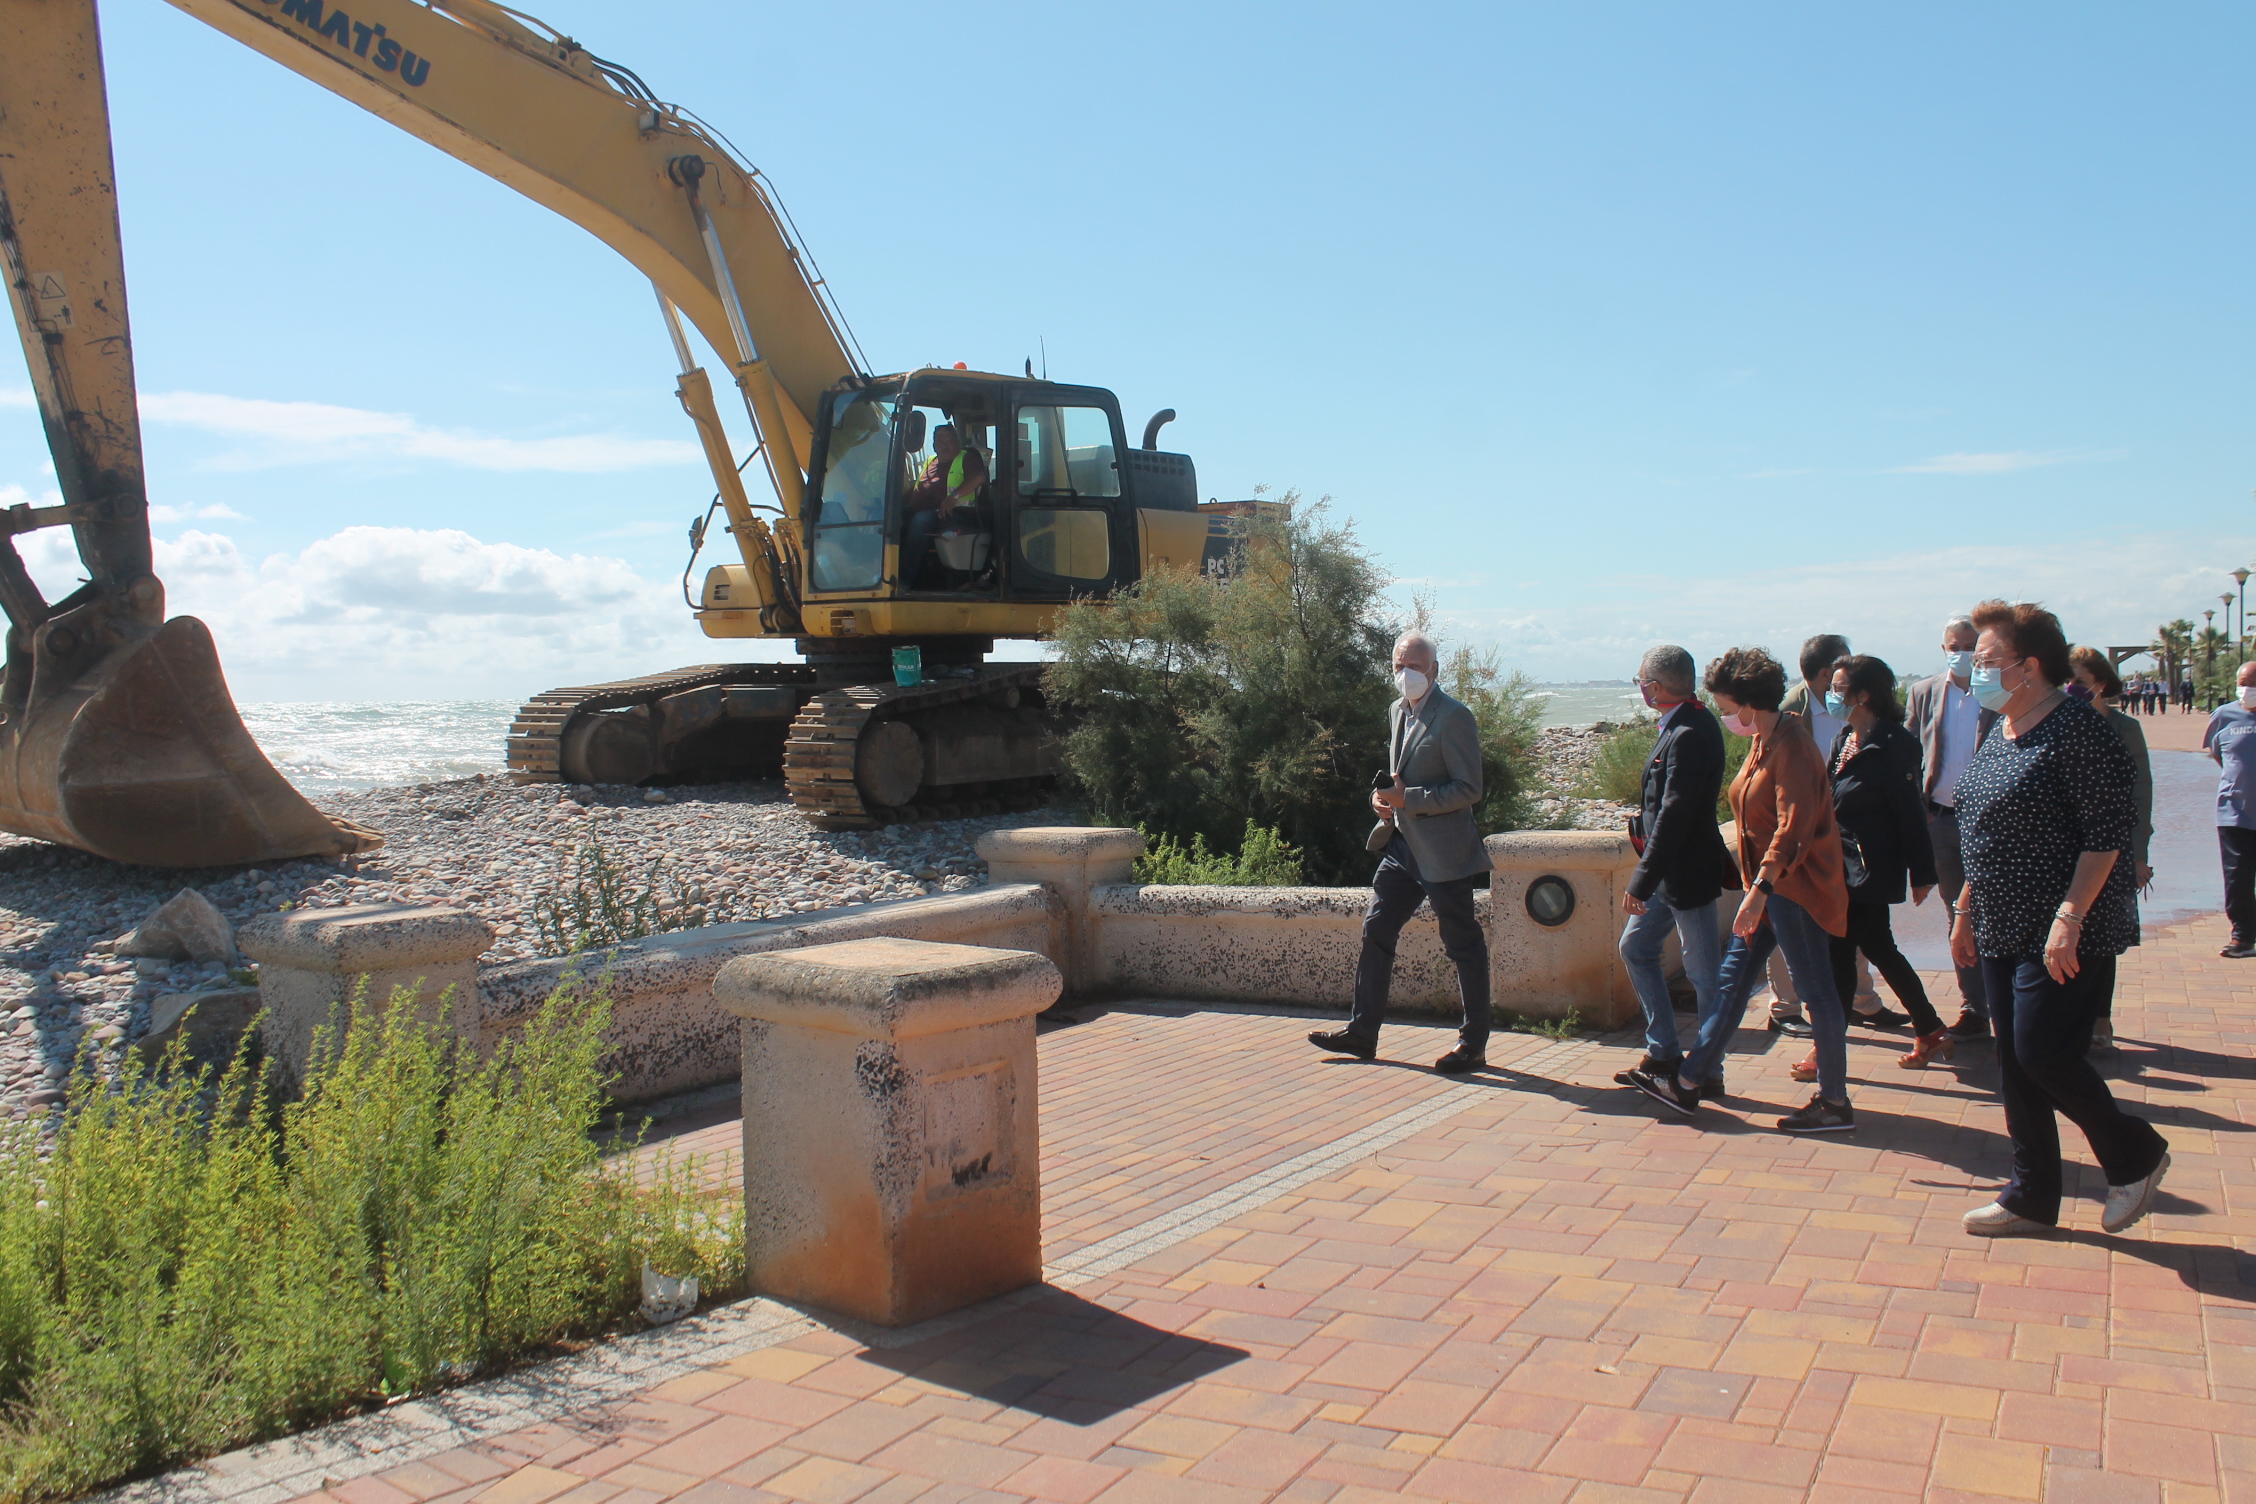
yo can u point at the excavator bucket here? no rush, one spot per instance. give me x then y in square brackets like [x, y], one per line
[144, 759]
[117, 734]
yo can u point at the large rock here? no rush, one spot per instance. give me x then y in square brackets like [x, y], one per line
[187, 928]
[212, 1021]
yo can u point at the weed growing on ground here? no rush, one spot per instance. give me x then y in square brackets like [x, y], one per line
[1263, 861]
[197, 1265]
[602, 905]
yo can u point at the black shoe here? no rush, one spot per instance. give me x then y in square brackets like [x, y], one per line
[1796, 1027]
[1711, 1090]
[1970, 1025]
[1880, 1018]
[1664, 1090]
[2239, 950]
[1461, 1061]
[1345, 1042]
[1820, 1116]
[1651, 1065]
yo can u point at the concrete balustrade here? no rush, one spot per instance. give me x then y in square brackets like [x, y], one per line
[891, 1129]
[1062, 892]
[315, 963]
[1572, 963]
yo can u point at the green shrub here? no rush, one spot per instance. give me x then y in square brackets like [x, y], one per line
[196, 1266]
[1510, 717]
[1617, 772]
[1263, 861]
[1198, 704]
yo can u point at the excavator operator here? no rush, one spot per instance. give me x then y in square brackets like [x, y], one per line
[953, 477]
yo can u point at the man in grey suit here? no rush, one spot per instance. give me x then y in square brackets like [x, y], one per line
[1941, 712]
[1433, 856]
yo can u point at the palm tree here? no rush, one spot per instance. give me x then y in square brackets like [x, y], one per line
[2172, 648]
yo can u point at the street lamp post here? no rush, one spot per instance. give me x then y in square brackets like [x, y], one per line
[2240, 578]
[2208, 642]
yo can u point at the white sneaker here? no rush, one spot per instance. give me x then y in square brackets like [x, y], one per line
[2127, 1203]
[1994, 1221]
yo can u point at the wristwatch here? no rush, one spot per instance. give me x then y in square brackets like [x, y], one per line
[1762, 886]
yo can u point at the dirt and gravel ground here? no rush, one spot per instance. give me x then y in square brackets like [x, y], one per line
[724, 852]
[1564, 755]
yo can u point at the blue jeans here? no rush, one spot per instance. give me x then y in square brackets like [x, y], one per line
[1641, 956]
[1786, 927]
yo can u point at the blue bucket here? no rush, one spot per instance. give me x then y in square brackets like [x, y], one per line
[908, 666]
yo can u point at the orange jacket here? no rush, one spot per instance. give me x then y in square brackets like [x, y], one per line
[1783, 801]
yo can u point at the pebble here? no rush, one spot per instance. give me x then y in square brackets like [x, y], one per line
[1563, 758]
[719, 853]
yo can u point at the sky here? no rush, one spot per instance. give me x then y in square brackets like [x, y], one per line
[1605, 324]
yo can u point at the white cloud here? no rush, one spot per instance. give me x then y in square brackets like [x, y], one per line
[17, 396]
[374, 613]
[2005, 462]
[2106, 591]
[296, 433]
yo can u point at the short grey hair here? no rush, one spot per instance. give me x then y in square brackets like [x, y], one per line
[1670, 667]
[1417, 639]
[1961, 622]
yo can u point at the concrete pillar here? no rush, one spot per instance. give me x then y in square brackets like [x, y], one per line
[314, 962]
[892, 1150]
[1069, 860]
[1555, 921]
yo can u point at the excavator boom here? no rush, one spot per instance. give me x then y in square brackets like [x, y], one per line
[117, 734]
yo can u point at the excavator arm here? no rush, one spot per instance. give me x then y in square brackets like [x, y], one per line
[533, 109]
[117, 733]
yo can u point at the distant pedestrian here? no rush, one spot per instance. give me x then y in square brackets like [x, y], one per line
[1682, 864]
[1950, 725]
[2045, 814]
[2185, 693]
[2097, 677]
[1433, 857]
[2154, 697]
[2230, 742]
[1884, 844]
[1790, 857]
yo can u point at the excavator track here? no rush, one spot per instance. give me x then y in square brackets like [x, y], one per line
[536, 737]
[822, 754]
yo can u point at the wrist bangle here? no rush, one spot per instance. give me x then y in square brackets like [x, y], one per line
[2065, 916]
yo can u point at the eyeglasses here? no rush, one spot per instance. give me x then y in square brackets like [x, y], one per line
[1995, 662]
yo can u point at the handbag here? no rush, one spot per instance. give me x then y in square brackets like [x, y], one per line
[1852, 859]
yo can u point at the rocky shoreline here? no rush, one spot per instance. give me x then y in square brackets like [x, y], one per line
[713, 854]
[1564, 755]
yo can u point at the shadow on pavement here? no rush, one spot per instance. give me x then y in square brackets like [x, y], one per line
[1054, 1354]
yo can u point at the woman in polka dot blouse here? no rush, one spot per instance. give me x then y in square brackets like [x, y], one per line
[2045, 815]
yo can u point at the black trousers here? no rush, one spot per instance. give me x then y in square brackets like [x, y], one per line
[1396, 892]
[2044, 1028]
[2238, 846]
[1869, 932]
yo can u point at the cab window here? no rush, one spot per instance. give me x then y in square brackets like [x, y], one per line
[1067, 452]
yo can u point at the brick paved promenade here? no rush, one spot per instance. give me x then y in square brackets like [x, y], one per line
[1279, 1277]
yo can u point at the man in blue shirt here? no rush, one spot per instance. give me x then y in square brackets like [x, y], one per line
[2231, 744]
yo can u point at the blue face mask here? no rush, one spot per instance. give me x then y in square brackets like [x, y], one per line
[1835, 706]
[1958, 665]
[1989, 689]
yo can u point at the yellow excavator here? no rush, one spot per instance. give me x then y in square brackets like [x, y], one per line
[918, 516]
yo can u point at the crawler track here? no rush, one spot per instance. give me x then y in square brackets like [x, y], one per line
[536, 737]
[819, 755]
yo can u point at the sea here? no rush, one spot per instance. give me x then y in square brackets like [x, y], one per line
[327, 747]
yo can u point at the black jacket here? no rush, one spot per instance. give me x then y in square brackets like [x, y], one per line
[1685, 860]
[1880, 804]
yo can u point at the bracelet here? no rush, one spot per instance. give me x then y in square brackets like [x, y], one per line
[2065, 917]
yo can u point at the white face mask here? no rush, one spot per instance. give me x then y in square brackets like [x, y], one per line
[1958, 664]
[1412, 684]
[2248, 695]
[1739, 725]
